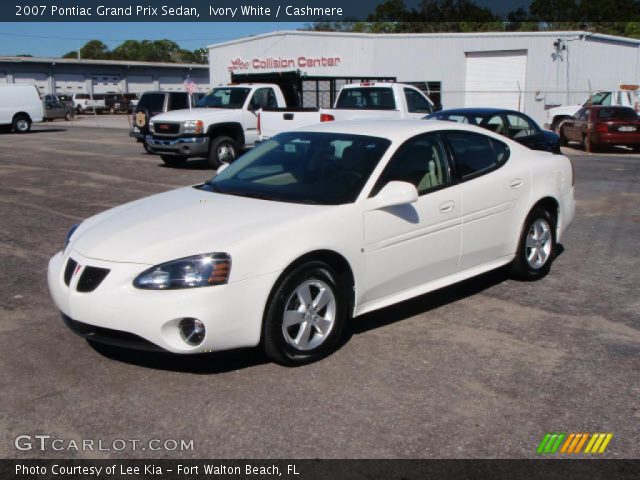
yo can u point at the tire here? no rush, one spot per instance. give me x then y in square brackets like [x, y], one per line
[312, 333]
[21, 123]
[173, 161]
[222, 150]
[146, 147]
[537, 247]
[67, 116]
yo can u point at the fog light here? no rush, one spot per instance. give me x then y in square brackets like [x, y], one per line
[192, 331]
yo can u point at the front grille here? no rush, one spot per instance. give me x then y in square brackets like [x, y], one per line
[91, 277]
[109, 336]
[68, 271]
[164, 128]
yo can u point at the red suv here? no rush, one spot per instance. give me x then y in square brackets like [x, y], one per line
[601, 126]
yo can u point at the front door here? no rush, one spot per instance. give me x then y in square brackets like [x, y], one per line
[412, 244]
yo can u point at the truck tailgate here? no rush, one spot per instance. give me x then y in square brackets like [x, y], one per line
[276, 121]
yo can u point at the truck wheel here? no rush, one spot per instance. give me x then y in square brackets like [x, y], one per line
[21, 123]
[67, 116]
[222, 150]
[173, 161]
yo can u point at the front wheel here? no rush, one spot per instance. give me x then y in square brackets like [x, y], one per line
[306, 315]
[537, 246]
[172, 160]
[222, 150]
[21, 124]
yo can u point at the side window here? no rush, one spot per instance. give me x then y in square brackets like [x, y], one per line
[416, 103]
[476, 154]
[520, 126]
[263, 98]
[579, 115]
[421, 161]
[178, 101]
[495, 124]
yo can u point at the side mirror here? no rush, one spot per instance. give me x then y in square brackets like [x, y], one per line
[221, 168]
[393, 194]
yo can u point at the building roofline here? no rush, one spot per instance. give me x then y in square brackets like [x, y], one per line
[122, 63]
[551, 33]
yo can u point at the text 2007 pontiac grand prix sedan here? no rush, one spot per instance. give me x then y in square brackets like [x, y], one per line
[311, 228]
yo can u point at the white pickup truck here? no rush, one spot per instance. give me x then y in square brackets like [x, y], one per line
[368, 100]
[223, 122]
[624, 97]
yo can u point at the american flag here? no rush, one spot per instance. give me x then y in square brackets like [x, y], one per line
[190, 86]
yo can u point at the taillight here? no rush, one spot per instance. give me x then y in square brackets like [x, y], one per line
[602, 127]
[326, 117]
[259, 132]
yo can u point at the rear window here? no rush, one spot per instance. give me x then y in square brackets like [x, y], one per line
[153, 102]
[82, 96]
[475, 154]
[626, 113]
[369, 98]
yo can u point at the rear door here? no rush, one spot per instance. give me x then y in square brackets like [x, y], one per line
[491, 188]
[524, 131]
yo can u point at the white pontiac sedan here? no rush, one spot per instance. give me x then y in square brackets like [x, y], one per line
[308, 229]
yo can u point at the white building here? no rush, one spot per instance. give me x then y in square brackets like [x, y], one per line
[526, 71]
[69, 75]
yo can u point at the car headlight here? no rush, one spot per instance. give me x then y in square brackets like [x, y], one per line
[193, 126]
[70, 233]
[190, 272]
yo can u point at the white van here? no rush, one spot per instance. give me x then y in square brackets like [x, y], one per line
[20, 106]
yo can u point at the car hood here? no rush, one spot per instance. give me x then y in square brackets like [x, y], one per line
[204, 114]
[180, 223]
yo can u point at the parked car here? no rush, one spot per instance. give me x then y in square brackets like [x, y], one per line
[54, 108]
[132, 99]
[67, 100]
[308, 229]
[116, 103]
[155, 103]
[84, 103]
[358, 101]
[20, 106]
[599, 127]
[224, 122]
[627, 96]
[512, 124]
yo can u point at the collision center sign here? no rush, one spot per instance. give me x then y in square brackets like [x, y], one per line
[268, 63]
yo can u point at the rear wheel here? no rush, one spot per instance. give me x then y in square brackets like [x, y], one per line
[537, 246]
[172, 160]
[67, 116]
[21, 123]
[563, 138]
[306, 315]
[222, 150]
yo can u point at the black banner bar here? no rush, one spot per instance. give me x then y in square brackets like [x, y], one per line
[319, 469]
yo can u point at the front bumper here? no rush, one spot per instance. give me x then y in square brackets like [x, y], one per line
[137, 134]
[181, 146]
[232, 313]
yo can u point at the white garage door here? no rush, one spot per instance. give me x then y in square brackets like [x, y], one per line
[172, 84]
[70, 83]
[37, 79]
[139, 83]
[106, 83]
[496, 79]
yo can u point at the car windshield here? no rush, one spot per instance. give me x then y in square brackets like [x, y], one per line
[303, 167]
[224, 98]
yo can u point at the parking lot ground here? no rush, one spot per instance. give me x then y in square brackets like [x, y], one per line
[480, 369]
[90, 120]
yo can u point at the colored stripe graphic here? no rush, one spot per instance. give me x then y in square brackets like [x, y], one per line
[572, 443]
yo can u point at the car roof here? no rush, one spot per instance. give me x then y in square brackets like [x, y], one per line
[394, 129]
[477, 111]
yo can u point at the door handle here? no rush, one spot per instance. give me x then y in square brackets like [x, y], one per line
[516, 183]
[447, 206]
